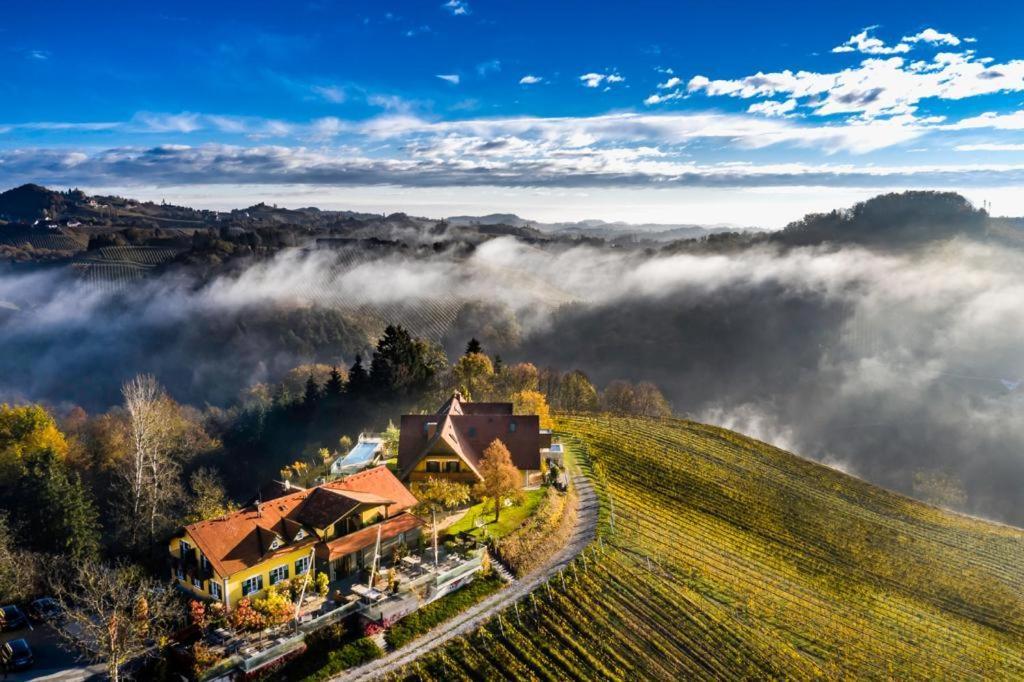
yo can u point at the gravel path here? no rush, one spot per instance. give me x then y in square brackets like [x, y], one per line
[468, 620]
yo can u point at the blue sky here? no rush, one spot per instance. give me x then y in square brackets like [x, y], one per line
[741, 112]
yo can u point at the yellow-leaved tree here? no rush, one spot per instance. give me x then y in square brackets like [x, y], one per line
[26, 430]
[532, 402]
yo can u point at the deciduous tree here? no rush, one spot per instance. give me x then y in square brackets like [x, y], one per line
[473, 374]
[501, 479]
[24, 431]
[113, 613]
[532, 402]
[209, 500]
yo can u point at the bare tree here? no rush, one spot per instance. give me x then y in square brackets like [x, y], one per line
[114, 614]
[162, 434]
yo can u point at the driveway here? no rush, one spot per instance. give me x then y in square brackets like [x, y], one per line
[467, 621]
[52, 662]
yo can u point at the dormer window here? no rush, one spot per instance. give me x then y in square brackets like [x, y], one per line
[276, 544]
[301, 534]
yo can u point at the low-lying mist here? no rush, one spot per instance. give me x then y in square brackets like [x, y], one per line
[886, 364]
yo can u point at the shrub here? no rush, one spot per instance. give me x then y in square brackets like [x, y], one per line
[541, 535]
[245, 617]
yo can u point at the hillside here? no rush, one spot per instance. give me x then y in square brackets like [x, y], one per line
[722, 557]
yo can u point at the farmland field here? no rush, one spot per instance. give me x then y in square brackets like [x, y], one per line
[722, 557]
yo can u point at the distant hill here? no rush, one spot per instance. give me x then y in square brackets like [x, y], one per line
[891, 219]
[600, 229]
[29, 203]
[721, 557]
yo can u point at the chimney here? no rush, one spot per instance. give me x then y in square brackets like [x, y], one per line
[431, 429]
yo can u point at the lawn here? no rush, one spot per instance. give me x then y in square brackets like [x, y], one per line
[511, 517]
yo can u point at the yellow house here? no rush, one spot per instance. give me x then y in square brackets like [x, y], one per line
[331, 527]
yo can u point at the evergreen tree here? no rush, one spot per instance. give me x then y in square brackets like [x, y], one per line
[499, 364]
[63, 518]
[358, 379]
[400, 367]
[473, 347]
[312, 395]
[335, 385]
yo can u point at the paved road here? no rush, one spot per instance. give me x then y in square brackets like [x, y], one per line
[468, 620]
[53, 663]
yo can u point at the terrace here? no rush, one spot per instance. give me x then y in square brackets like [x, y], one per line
[397, 591]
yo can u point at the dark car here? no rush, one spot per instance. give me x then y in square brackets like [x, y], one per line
[46, 610]
[17, 655]
[11, 618]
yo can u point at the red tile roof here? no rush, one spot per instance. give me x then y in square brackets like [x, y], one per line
[242, 539]
[368, 536]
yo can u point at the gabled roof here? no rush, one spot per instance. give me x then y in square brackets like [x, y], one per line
[243, 539]
[466, 430]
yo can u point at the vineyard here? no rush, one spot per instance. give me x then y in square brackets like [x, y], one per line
[722, 557]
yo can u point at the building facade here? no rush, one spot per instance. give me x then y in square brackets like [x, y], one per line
[332, 528]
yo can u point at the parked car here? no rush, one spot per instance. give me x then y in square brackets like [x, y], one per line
[46, 610]
[16, 655]
[11, 618]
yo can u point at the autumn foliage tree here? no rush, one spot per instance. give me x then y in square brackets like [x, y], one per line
[501, 479]
[532, 402]
[473, 373]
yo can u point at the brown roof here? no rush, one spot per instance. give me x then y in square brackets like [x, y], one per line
[367, 536]
[466, 429]
[243, 539]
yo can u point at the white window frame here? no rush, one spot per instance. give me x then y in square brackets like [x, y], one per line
[215, 589]
[183, 547]
[275, 574]
[248, 583]
[197, 583]
[301, 534]
[304, 562]
[179, 573]
[276, 543]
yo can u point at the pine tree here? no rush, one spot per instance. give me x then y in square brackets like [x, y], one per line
[64, 519]
[358, 379]
[473, 347]
[499, 364]
[335, 385]
[312, 394]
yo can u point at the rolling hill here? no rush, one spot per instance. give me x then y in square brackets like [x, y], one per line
[723, 557]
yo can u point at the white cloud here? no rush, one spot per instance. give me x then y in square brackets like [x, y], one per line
[452, 78]
[877, 87]
[868, 44]
[331, 93]
[772, 108]
[673, 82]
[930, 35]
[457, 7]
[38, 55]
[529, 80]
[168, 123]
[990, 147]
[593, 80]
[990, 119]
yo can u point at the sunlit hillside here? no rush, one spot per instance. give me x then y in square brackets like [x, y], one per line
[723, 557]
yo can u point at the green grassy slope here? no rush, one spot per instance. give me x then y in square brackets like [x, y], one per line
[731, 559]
